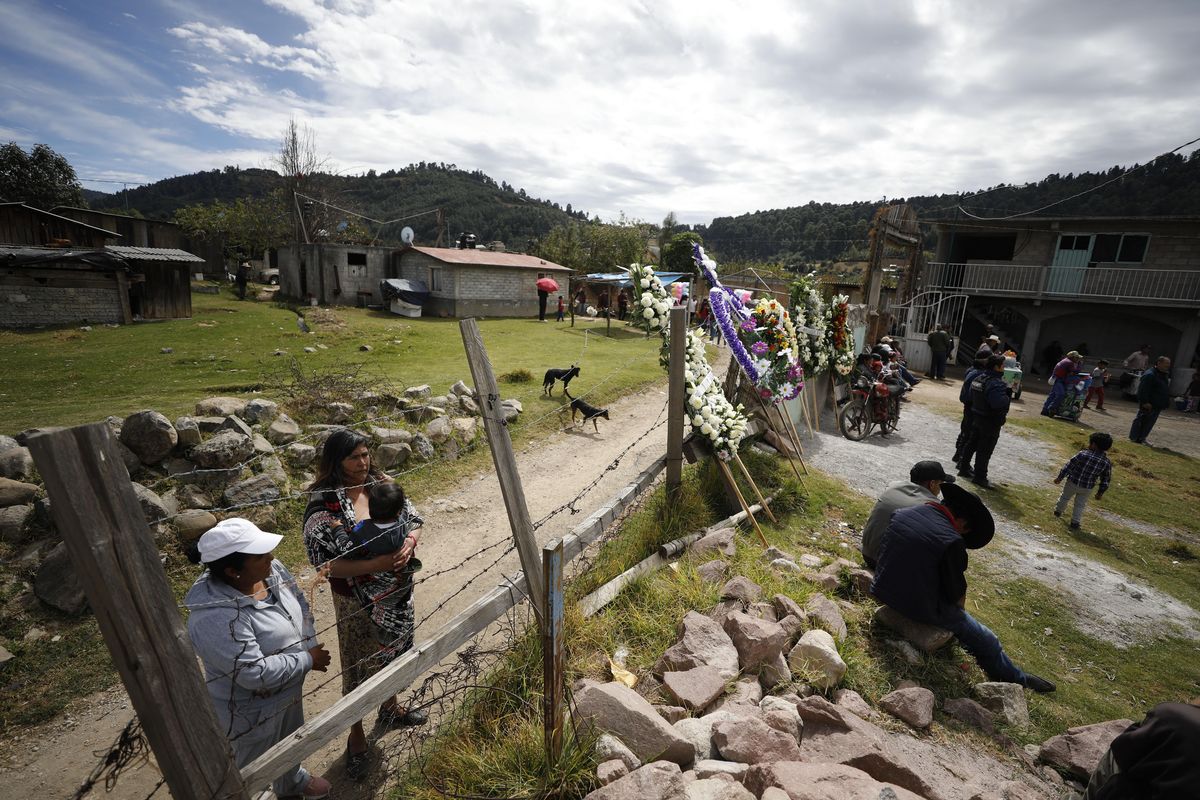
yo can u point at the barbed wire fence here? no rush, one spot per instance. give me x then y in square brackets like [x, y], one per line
[439, 689]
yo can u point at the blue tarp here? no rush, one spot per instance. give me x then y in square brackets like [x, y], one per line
[621, 279]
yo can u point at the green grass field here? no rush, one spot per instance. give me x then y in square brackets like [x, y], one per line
[70, 376]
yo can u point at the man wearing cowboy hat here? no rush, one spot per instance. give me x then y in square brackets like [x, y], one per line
[922, 574]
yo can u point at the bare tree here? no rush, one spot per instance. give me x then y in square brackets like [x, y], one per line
[298, 161]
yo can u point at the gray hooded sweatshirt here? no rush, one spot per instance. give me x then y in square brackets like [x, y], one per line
[255, 652]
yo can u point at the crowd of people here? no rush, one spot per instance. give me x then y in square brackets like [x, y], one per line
[253, 628]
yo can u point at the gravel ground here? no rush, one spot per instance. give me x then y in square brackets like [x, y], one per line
[1106, 603]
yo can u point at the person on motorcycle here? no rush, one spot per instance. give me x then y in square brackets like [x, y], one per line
[990, 399]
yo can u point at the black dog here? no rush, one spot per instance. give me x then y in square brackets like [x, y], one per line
[564, 375]
[588, 411]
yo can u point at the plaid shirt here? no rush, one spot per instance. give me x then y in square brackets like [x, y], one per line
[1086, 467]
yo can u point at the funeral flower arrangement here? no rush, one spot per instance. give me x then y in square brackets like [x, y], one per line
[710, 414]
[809, 310]
[762, 338]
[653, 305]
[841, 338]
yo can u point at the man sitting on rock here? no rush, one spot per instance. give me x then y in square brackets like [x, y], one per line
[921, 573]
[924, 483]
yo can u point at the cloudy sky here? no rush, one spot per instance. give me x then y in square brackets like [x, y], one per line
[634, 106]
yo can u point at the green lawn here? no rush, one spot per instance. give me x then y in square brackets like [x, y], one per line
[68, 377]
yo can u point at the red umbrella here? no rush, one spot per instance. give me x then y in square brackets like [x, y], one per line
[547, 284]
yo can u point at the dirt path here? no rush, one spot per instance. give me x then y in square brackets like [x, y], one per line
[53, 760]
[1107, 604]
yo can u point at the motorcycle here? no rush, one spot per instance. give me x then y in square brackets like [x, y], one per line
[872, 402]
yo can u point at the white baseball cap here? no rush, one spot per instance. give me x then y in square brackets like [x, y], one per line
[236, 535]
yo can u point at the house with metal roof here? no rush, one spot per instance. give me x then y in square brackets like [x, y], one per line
[461, 282]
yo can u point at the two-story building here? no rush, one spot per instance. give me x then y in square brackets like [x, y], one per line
[1102, 285]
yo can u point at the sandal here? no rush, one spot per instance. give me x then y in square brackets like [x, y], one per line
[358, 764]
[409, 719]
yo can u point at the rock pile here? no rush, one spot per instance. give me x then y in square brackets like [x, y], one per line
[232, 451]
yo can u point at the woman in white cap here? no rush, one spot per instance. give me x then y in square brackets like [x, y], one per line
[251, 626]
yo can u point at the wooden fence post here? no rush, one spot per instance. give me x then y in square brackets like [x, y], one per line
[553, 656]
[506, 462]
[114, 555]
[676, 403]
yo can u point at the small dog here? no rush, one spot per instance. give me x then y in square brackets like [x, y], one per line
[564, 375]
[588, 411]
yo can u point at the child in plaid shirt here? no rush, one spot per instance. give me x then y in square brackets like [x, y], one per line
[1085, 469]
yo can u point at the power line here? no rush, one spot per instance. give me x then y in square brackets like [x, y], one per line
[1085, 191]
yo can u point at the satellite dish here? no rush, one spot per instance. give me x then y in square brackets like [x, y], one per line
[407, 235]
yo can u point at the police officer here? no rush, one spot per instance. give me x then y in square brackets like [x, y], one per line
[990, 399]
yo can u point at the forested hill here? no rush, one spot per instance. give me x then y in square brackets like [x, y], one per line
[474, 202]
[827, 231]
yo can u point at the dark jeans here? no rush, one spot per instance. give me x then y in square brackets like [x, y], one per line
[911, 379]
[1053, 400]
[981, 643]
[939, 365]
[542, 297]
[1142, 424]
[982, 441]
[964, 433]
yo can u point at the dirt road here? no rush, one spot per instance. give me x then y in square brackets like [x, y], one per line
[53, 760]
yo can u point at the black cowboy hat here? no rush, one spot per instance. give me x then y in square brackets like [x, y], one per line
[971, 510]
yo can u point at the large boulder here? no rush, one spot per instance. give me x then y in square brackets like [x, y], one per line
[782, 715]
[758, 641]
[16, 463]
[701, 641]
[258, 490]
[695, 688]
[816, 656]
[15, 493]
[260, 410]
[226, 449]
[742, 589]
[282, 430]
[913, 705]
[57, 584]
[1080, 749]
[660, 780]
[192, 496]
[464, 429]
[152, 505]
[389, 456]
[824, 614]
[719, 541]
[438, 430]
[699, 733]
[723, 787]
[751, 741]
[609, 747]
[926, 637]
[193, 523]
[806, 781]
[392, 435]
[1005, 699]
[187, 432]
[220, 407]
[261, 445]
[299, 454]
[422, 448]
[615, 708]
[150, 435]
[12, 522]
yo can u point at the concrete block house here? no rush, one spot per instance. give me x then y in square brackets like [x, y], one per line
[1106, 283]
[462, 283]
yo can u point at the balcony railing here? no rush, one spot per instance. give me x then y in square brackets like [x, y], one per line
[1109, 284]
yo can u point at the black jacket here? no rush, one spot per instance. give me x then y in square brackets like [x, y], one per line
[1155, 389]
[922, 565]
[990, 397]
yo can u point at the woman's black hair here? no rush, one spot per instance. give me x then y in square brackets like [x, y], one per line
[216, 568]
[337, 448]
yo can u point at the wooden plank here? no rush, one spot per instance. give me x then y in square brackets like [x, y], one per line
[676, 402]
[117, 562]
[590, 529]
[553, 655]
[598, 599]
[329, 724]
[506, 462]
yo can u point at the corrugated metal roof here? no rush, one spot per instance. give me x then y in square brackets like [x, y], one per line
[153, 254]
[490, 258]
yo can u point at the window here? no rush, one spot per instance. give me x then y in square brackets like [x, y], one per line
[1074, 242]
[356, 259]
[435, 279]
[1123, 248]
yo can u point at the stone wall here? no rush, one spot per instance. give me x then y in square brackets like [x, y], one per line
[27, 306]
